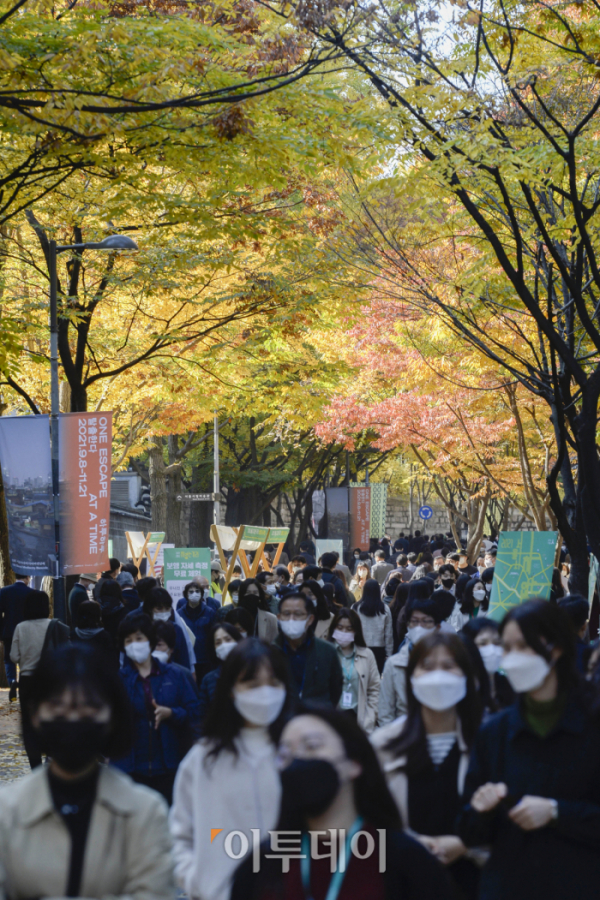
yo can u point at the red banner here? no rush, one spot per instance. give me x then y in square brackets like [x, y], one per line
[85, 441]
[360, 517]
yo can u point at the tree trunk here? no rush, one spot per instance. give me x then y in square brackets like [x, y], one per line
[174, 489]
[201, 514]
[78, 399]
[158, 484]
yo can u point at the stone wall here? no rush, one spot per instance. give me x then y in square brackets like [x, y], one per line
[398, 517]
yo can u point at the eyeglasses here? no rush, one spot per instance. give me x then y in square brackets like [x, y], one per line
[426, 623]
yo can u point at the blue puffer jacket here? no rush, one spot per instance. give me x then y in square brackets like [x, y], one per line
[157, 751]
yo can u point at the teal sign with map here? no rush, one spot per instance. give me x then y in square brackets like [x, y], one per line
[524, 567]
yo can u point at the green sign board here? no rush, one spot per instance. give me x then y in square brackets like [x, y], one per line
[253, 533]
[278, 535]
[156, 537]
[524, 567]
[180, 567]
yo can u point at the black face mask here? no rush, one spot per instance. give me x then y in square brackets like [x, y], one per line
[447, 582]
[309, 785]
[73, 745]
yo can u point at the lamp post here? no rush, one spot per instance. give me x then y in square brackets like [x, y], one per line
[216, 474]
[114, 242]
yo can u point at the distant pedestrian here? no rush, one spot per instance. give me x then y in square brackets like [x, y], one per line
[12, 599]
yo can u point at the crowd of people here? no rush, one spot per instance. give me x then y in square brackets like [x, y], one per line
[321, 730]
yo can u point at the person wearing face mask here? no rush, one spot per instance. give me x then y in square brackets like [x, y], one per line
[222, 639]
[269, 584]
[474, 601]
[158, 606]
[57, 823]
[253, 599]
[165, 708]
[447, 577]
[164, 649]
[485, 635]
[423, 617]
[316, 673]
[199, 618]
[360, 690]
[425, 754]
[533, 788]
[332, 785]
[359, 579]
[376, 621]
[229, 779]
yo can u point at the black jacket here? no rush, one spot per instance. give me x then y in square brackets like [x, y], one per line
[412, 873]
[558, 861]
[341, 596]
[12, 604]
[323, 677]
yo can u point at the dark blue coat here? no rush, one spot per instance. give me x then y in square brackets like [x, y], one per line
[210, 601]
[12, 603]
[563, 859]
[200, 625]
[157, 751]
[131, 599]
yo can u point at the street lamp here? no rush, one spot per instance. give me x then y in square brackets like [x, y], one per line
[113, 242]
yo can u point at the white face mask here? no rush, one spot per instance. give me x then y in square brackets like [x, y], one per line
[439, 690]
[479, 595]
[223, 650]
[272, 589]
[343, 638]
[488, 588]
[321, 582]
[491, 655]
[161, 655]
[161, 616]
[261, 705]
[415, 634]
[525, 671]
[293, 628]
[234, 598]
[244, 634]
[138, 651]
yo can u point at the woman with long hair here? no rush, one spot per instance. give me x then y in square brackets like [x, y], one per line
[323, 614]
[360, 693]
[484, 633]
[334, 796]
[533, 786]
[229, 780]
[222, 638]
[376, 621]
[253, 598]
[473, 601]
[78, 827]
[362, 573]
[426, 752]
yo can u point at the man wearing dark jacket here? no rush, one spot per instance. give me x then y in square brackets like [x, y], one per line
[316, 673]
[12, 611]
[131, 598]
[79, 593]
[328, 563]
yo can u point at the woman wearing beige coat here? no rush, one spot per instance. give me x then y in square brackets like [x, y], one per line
[77, 828]
[360, 691]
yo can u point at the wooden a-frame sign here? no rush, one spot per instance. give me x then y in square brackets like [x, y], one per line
[139, 546]
[246, 537]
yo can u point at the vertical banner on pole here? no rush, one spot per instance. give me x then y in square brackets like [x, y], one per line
[338, 515]
[360, 517]
[85, 442]
[27, 475]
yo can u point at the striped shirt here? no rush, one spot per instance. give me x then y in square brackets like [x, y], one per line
[439, 746]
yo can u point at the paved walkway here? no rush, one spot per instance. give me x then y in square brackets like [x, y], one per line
[13, 761]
